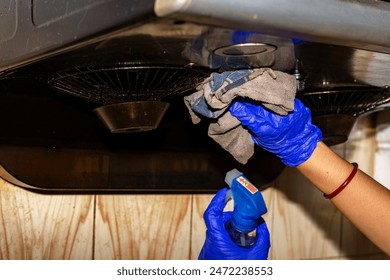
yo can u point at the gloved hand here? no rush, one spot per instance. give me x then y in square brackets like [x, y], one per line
[292, 138]
[219, 246]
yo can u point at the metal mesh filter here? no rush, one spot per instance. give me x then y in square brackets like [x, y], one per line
[350, 101]
[123, 83]
[335, 111]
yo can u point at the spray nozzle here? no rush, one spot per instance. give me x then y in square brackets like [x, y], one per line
[249, 204]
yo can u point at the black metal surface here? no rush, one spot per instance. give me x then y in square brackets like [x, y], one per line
[53, 143]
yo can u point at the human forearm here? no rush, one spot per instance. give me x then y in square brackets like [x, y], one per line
[296, 141]
[365, 202]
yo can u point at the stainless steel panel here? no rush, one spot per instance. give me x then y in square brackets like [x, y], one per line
[362, 24]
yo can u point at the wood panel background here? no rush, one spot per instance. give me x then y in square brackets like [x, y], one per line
[302, 224]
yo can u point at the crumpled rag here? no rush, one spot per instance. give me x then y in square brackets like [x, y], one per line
[275, 90]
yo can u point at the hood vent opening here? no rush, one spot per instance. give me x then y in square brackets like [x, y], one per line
[335, 111]
[128, 98]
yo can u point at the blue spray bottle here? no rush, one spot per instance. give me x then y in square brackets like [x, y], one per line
[248, 205]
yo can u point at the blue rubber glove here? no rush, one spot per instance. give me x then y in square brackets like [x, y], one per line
[292, 138]
[219, 246]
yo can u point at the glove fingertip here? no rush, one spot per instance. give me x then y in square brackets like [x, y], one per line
[236, 108]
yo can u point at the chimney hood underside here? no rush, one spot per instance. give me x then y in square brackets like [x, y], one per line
[146, 53]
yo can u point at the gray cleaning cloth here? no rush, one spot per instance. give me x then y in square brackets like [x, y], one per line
[275, 90]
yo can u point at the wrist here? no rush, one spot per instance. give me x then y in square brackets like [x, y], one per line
[322, 167]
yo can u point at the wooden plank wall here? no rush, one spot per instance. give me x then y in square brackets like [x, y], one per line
[302, 224]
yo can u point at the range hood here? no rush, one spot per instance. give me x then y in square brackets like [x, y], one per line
[92, 92]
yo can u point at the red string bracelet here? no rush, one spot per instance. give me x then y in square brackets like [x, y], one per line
[343, 185]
